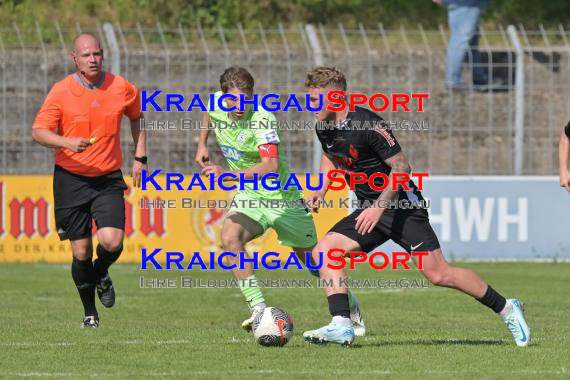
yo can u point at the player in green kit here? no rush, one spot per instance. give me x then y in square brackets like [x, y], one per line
[248, 151]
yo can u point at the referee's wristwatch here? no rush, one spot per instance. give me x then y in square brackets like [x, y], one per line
[142, 159]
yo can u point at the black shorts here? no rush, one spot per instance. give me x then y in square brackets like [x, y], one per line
[409, 228]
[79, 199]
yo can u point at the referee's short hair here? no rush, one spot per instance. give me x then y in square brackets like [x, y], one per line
[237, 77]
[324, 76]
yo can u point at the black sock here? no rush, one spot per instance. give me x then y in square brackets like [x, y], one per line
[338, 305]
[84, 278]
[104, 260]
[493, 300]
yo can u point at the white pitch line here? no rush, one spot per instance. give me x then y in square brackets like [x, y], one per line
[56, 374]
[142, 342]
[132, 342]
[45, 374]
[265, 372]
[239, 340]
[30, 344]
[520, 371]
[173, 342]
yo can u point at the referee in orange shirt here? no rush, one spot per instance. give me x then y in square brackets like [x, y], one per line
[81, 119]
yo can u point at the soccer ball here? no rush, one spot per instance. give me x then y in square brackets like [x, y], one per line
[273, 327]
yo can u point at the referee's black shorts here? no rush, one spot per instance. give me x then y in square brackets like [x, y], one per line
[79, 200]
[409, 228]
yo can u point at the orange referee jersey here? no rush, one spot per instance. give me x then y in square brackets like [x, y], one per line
[73, 110]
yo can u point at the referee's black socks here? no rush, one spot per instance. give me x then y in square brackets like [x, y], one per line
[84, 277]
[493, 300]
[104, 260]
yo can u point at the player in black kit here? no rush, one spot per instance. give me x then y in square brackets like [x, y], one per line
[370, 151]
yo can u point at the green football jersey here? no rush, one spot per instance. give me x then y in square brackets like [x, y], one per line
[239, 141]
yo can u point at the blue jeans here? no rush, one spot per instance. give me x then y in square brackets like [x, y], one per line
[464, 26]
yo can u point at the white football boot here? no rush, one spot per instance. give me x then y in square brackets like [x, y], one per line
[246, 325]
[516, 323]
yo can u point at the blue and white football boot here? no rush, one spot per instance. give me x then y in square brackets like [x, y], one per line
[331, 333]
[516, 323]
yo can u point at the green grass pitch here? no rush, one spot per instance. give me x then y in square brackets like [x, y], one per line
[195, 333]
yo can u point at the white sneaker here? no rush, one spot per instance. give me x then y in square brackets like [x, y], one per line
[246, 325]
[356, 317]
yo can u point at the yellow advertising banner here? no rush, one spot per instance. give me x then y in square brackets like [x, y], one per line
[28, 233]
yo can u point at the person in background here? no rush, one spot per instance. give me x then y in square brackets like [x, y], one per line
[463, 19]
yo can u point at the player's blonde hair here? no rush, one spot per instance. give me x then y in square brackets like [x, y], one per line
[237, 77]
[324, 76]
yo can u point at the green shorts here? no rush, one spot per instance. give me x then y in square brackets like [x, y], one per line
[294, 226]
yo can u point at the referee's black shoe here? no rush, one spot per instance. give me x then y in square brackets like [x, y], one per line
[105, 291]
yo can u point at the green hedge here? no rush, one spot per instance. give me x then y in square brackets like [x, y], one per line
[391, 13]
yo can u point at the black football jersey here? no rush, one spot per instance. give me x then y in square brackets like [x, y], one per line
[364, 151]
